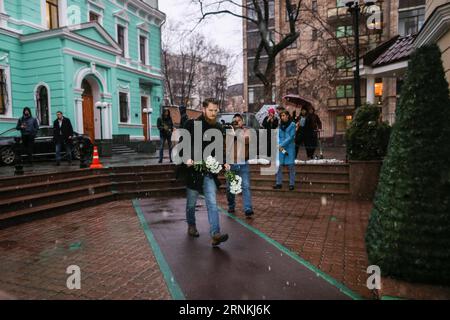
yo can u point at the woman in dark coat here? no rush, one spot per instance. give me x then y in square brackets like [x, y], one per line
[300, 130]
[270, 122]
[312, 126]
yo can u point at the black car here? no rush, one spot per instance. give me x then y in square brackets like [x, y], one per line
[250, 120]
[43, 145]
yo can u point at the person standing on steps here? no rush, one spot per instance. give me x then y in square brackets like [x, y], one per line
[165, 127]
[62, 135]
[270, 123]
[28, 127]
[286, 137]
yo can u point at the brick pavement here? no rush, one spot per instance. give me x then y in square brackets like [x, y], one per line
[116, 261]
[329, 234]
[106, 242]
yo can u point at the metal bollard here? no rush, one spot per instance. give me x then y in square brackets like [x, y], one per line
[83, 156]
[18, 167]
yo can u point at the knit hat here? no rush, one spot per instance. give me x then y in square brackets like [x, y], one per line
[271, 111]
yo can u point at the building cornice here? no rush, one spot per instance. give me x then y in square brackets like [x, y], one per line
[10, 33]
[67, 33]
[154, 15]
[98, 3]
[146, 74]
[437, 24]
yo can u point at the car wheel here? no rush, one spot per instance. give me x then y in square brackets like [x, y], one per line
[76, 152]
[8, 156]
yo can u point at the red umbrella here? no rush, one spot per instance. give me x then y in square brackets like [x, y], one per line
[296, 99]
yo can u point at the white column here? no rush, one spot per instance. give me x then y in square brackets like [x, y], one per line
[62, 13]
[79, 114]
[3, 16]
[370, 89]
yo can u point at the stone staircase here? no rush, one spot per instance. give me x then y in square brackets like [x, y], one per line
[329, 180]
[42, 195]
[121, 149]
[36, 196]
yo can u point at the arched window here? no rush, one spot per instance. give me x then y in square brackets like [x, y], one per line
[42, 109]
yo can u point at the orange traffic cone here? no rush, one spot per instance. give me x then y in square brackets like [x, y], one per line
[96, 162]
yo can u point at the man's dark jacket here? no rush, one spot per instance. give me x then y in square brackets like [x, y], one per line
[62, 134]
[165, 126]
[194, 179]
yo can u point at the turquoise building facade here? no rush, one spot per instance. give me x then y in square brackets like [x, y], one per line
[97, 61]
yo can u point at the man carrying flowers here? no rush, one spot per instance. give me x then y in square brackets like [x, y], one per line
[201, 174]
[240, 166]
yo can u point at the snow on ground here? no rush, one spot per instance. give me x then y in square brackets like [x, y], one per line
[317, 161]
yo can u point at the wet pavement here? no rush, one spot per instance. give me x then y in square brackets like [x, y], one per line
[107, 244]
[111, 245]
[247, 266]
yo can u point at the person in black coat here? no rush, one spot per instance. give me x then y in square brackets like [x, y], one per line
[165, 127]
[198, 182]
[28, 127]
[300, 134]
[62, 135]
[270, 122]
[312, 127]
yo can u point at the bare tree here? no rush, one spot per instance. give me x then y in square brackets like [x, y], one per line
[259, 14]
[182, 54]
[215, 73]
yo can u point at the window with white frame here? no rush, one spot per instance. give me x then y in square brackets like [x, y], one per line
[410, 21]
[94, 16]
[143, 49]
[42, 105]
[124, 107]
[52, 13]
[3, 92]
[122, 39]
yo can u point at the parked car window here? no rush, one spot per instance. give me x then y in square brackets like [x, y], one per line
[10, 133]
[42, 132]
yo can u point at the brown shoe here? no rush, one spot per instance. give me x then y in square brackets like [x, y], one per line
[192, 231]
[218, 239]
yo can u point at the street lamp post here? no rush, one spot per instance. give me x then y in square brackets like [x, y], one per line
[354, 7]
[100, 106]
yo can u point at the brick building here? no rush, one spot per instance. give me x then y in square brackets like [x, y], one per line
[318, 66]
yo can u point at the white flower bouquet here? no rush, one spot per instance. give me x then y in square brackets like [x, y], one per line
[211, 165]
[235, 182]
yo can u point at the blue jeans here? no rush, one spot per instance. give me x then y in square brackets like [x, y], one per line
[68, 150]
[242, 170]
[291, 174]
[163, 138]
[209, 190]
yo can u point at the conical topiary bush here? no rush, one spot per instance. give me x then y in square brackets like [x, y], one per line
[408, 235]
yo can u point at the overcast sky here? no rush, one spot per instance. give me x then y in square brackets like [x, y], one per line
[224, 30]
